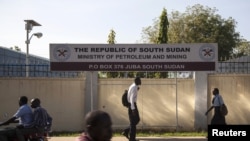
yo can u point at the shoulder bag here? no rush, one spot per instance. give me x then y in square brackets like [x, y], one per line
[223, 109]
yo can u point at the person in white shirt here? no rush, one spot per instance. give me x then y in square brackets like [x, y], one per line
[216, 103]
[133, 113]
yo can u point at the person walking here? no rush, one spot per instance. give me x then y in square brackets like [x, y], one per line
[133, 113]
[217, 101]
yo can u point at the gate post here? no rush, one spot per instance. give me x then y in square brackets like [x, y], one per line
[200, 107]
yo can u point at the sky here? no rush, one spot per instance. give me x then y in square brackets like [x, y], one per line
[90, 21]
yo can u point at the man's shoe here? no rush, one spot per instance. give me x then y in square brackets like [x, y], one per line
[125, 134]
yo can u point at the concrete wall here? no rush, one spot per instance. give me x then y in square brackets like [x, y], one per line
[235, 90]
[163, 103]
[63, 98]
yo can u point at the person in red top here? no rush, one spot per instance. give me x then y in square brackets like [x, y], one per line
[98, 127]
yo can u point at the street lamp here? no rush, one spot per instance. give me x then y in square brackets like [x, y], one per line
[28, 26]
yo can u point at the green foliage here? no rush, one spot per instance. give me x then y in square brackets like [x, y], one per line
[172, 134]
[198, 24]
[163, 28]
[111, 37]
[147, 133]
[242, 49]
[111, 40]
[150, 33]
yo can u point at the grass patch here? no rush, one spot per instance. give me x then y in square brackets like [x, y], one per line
[171, 134]
[65, 134]
[165, 134]
[139, 134]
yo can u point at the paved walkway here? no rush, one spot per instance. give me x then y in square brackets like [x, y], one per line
[140, 139]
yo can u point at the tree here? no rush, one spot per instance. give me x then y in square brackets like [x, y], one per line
[242, 49]
[163, 28]
[111, 37]
[150, 33]
[158, 34]
[111, 40]
[162, 38]
[199, 24]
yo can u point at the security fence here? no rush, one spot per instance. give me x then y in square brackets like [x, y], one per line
[14, 70]
[234, 67]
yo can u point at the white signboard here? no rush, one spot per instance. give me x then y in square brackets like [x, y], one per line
[133, 57]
